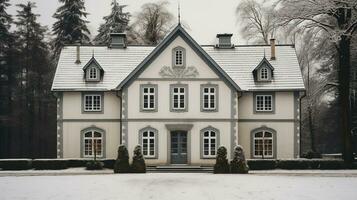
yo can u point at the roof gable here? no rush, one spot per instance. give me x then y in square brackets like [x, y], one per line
[92, 61]
[261, 64]
[178, 31]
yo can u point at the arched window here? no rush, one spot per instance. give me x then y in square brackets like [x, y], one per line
[93, 73]
[263, 144]
[178, 57]
[209, 141]
[93, 143]
[264, 74]
[148, 142]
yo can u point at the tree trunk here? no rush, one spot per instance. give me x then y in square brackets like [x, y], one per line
[344, 101]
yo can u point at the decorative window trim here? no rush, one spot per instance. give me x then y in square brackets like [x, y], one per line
[268, 76]
[141, 106]
[183, 56]
[255, 111]
[93, 128]
[101, 102]
[156, 141]
[97, 72]
[172, 86]
[209, 128]
[252, 142]
[215, 86]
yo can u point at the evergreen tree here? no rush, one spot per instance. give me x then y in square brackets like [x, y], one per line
[221, 166]
[238, 164]
[121, 164]
[70, 27]
[116, 22]
[138, 165]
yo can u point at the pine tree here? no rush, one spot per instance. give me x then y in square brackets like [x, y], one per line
[238, 164]
[116, 22]
[221, 166]
[70, 27]
[121, 164]
[138, 165]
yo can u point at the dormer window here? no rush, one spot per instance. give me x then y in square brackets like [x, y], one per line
[264, 71]
[93, 72]
[178, 57]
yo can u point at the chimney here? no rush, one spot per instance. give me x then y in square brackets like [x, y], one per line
[117, 40]
[224, 41]
[272, 49]
[78, 53]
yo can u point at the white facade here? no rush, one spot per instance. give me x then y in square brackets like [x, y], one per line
[178, 103]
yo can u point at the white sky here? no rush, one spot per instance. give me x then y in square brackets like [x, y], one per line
[205, 18]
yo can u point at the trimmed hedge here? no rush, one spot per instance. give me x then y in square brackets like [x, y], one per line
[109, 163]
[49, 164]
[15, 164]
[258, 164]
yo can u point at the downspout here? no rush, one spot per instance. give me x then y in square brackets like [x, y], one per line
[239, 95]
[119, 95]
[300, 111]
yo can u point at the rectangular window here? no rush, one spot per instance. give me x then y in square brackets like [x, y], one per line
[178, 57]
[209, 98]
[178, 98]
[148, 143]
[264, 102]
[148, 98]
[209, 143]
[92, 102]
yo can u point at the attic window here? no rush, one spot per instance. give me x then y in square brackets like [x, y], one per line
[93, 73]
[264, 71]
[264, 74]
[178, 57]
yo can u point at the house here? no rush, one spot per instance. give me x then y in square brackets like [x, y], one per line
[179, 100]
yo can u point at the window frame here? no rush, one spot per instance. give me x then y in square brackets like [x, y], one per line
[267, 78]
[84, 110]
[174, 50]
[216, 94]
[141, 106]
[202, 137]
[255, 103]
[83, 138]
[263, 129]
[172, 87]
[98, 73]
[156, 142]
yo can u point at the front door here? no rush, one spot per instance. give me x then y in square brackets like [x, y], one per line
[178, 147]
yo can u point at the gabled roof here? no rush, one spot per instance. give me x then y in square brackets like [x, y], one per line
[264, 61]
[92, 60]
[178, 31]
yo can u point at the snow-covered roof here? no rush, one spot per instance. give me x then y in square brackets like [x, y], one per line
[238, 63]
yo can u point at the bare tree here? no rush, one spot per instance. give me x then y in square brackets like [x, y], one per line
[259, 22]
[151, 23]
[338, 19]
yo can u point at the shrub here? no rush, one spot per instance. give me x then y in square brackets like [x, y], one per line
[221, 166]
[94, 165]
[293, 164]
[238, 164]
[15, 164]
[257, 164]
[109, 163]
[77, 162]
[122, 162]
[138, 165]
[49, 164]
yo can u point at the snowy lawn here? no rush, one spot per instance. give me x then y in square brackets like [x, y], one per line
[170, 186]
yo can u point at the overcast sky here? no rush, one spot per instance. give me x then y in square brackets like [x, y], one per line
[205, 18]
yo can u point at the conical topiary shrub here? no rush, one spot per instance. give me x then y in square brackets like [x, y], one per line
[221, 166]
[122, 162]
[138, 165]
[238, 164]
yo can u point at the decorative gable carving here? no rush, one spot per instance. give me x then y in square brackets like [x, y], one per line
[178, 72]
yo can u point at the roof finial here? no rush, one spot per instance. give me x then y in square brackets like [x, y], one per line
[179, 14]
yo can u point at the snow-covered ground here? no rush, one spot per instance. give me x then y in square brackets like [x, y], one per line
[170, 186]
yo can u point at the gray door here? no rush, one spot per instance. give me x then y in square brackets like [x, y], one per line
[179, 147]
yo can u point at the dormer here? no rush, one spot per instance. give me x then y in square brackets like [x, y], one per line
[264, 71]
[93, 72]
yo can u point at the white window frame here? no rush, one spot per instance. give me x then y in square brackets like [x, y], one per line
[209, 138]
[93, 71]
[92, 107]
[264, 74]
[264, 139]
[149, 94]
[179, 100]
[264, 106]
[179, 57]
[93, 140]
[209, 94]
[148, 137]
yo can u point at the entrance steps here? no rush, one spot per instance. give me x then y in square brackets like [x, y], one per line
[179, 169]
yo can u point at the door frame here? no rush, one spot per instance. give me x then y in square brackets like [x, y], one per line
[179, 127]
